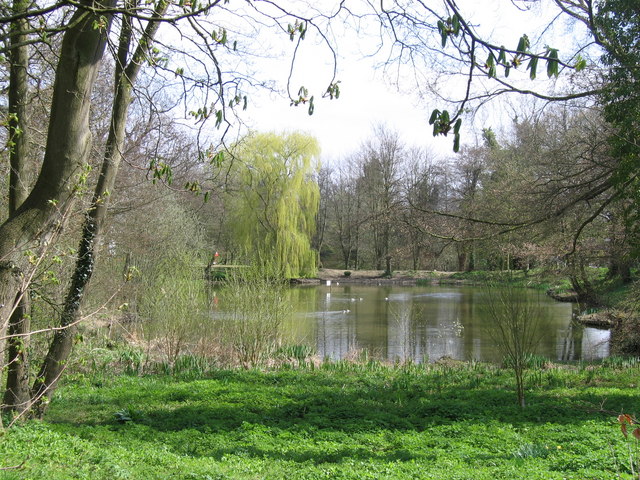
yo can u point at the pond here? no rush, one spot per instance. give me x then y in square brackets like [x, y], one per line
[397, 323]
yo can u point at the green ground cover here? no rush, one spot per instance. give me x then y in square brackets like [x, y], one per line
[337, 421]
[542, 279]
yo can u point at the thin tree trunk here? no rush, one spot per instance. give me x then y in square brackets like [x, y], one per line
[16, 395]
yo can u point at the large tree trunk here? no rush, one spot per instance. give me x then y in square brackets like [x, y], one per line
[42, 214]
[62, 343]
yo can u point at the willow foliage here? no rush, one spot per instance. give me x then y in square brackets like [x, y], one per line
[275, 205]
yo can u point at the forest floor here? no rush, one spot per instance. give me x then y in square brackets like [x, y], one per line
[333, 421]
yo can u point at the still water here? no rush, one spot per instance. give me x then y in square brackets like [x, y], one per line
[396, 323]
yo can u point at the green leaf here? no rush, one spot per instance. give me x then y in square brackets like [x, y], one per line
[218, 159]
[533, 66]
[456, 142]
[581, 64]
[311, 106]
[491, 65]
[455, 24]
[456, 127]
[507, 69]
[434, 116]
[491, 59]
[523, 44]
[502, 56]
[444, 33]
[552, 62]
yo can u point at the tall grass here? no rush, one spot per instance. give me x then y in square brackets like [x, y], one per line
[173, 308]
[256, 306]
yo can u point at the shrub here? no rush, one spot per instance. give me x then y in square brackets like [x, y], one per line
[255, 307]
[173, 305]
[516, 329]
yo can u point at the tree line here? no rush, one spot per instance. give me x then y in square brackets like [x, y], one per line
[538, 195]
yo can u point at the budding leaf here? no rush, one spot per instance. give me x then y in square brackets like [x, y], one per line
[533, 66]
[455, 24]
[552, 62]
[311, 106]
[456, 127]
[491, 65]
[442, 28]
[434, 116]
[502, 56]
[523, 44]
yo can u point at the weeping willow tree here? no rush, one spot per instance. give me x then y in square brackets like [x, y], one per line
[274, 207]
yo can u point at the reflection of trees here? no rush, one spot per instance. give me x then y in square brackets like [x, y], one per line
[372, 331]
[595, 343]
[427, 324]
[570, 343]
[443, 327]
[583, 343]
[335, 328]
[401, 336]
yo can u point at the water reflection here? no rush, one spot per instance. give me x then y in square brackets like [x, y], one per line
[397, 323]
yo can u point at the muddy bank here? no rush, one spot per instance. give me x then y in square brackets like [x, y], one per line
[569, 296]
[374, 277]
[603, 319]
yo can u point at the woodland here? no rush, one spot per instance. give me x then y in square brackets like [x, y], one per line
[122, 168]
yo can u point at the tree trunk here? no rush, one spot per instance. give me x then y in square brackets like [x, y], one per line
[43, 212]
[462, 260]
[62, 343]
[620, 266]
[17, 122]
[580, 282]
[17, 394]
[17, 340]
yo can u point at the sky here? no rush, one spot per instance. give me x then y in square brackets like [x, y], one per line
[366, 99]
[342, 125]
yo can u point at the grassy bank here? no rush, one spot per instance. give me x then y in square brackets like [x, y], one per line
[338, 421]
[537, 278]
